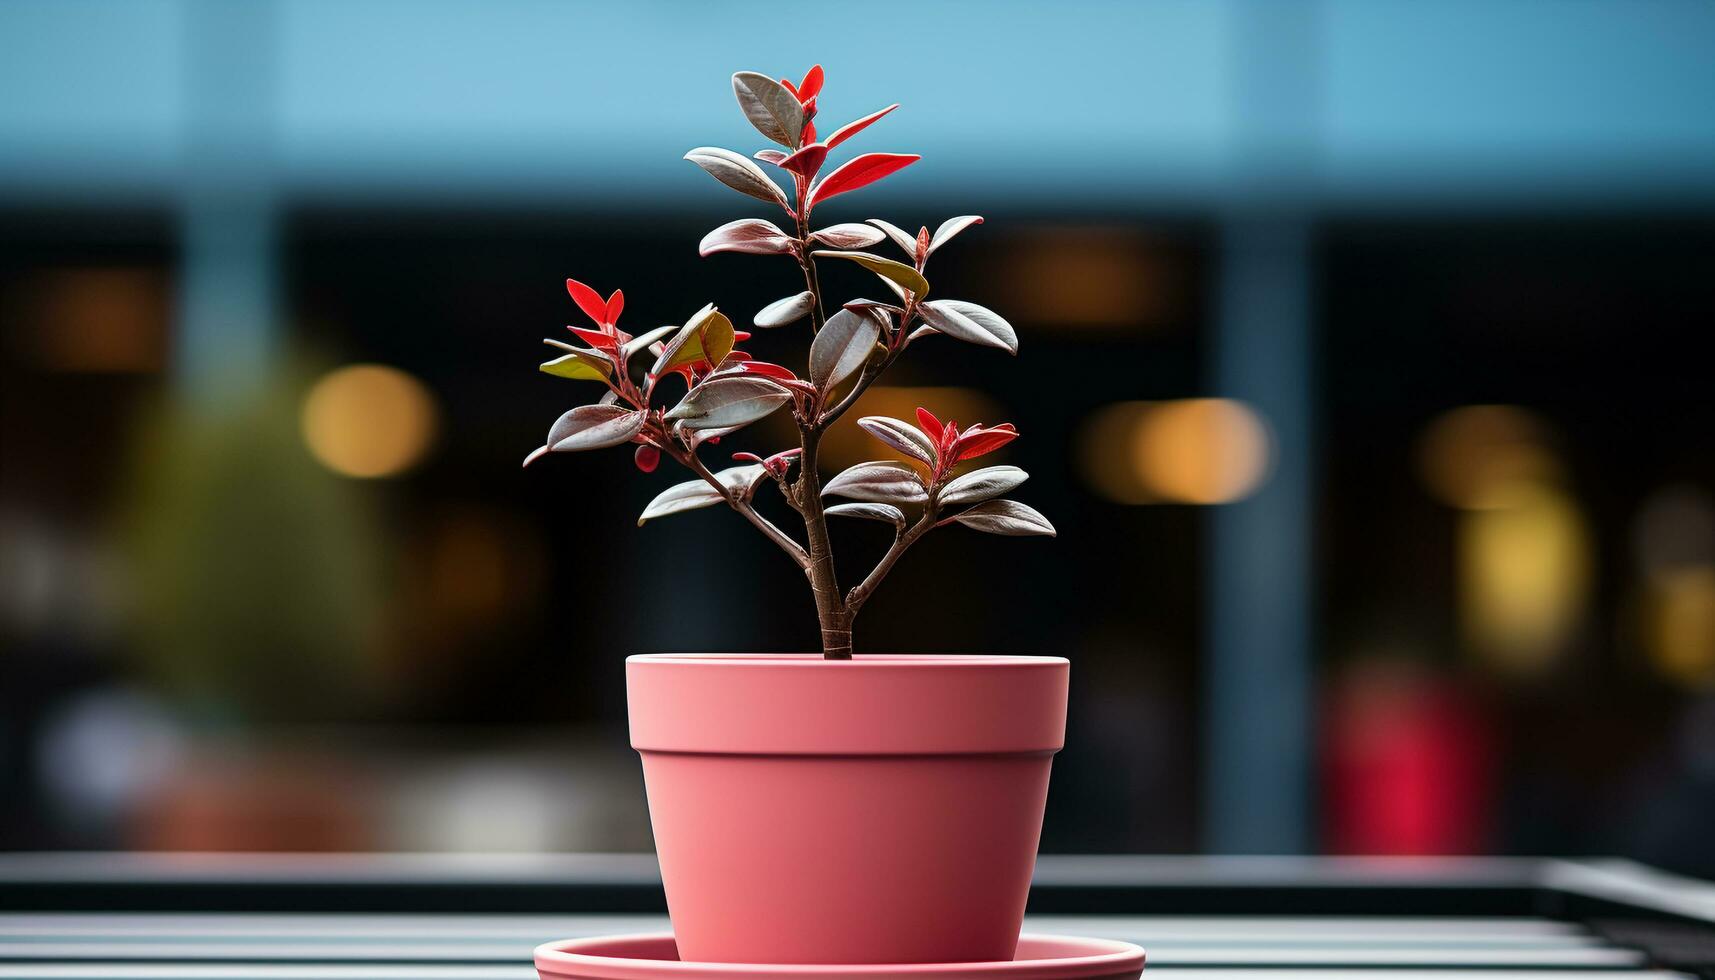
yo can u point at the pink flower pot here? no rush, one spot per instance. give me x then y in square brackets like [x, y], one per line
[884, 809]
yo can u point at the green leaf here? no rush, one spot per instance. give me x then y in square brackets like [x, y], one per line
[578, 365]
[897, 273]
[770, 107]
[737, 173]
[707, 336]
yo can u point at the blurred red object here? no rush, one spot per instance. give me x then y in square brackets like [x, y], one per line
[1407, 765]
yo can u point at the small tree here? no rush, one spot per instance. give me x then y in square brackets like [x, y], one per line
[726, 389]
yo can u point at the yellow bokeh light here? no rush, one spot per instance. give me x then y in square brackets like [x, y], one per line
[1680, 624]
[1090, 277]
[1524, 574]
[1190, 451]
[368, 420]
[1471, 456]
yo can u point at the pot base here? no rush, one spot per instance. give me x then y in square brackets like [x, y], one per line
[655, 957]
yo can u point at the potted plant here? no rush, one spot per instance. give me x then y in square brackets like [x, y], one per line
[824, 808]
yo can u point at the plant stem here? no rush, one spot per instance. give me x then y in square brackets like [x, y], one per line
[831, 609]
[832, 614]
[793, 549]
[812, 282]
[863, 590]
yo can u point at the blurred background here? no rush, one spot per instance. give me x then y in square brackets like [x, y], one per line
[1366, 373]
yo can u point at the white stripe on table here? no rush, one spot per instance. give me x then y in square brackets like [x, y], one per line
[519, 952]
[134, 971]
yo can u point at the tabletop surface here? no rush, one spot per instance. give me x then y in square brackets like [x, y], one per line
[476, 917]
[206, 946]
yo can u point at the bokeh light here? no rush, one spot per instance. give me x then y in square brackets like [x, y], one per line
[1524, 574]
[1673, 543]
[1471, 455]
[1189, 451]
[368, 420]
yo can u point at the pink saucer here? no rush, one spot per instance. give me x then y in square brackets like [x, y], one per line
[654, 957]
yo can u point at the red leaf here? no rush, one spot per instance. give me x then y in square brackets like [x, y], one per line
[615, 304]
[750, 457]
[927, 421]
[767, 370]
[856, 126]
[647, 458]
[811, 84]
[790, 87]
[587, 299]
[807, 161]
[858, 172]
[809, 132]
[595, 338]
[979, 441]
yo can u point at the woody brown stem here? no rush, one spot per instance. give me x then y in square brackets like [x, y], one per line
[793, 549]
[863, 590]
[831, 609]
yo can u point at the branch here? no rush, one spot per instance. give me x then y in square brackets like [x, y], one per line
[811, 281]
[862, 591]
[793, 549]
[864, 380]
[868, 377]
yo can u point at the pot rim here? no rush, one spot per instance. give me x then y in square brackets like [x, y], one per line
[875, 704]
[893, 660]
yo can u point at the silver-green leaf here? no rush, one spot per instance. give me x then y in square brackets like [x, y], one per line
[721, 403]
[1007, 517]
[841, 347]
[737, 173]
[594, 427]
[641, 342]
[951, 227]
[770, 107]
[903, 436]
[848, 236]
[900, 236]
[694, 494]
[990, 481]
[971, 323]
[753, 236]
[879, 482]
[870, 511]
[785, 311]
[678, 498]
